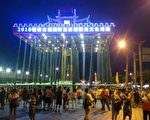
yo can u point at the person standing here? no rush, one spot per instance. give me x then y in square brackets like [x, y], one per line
[2, 98]
[146, 105]
[79, 95]
[136, 97]
[87, 102]
[116, 104]
[59, 94]
[127, 109]
[13, 103]
[74, 98]
[66, 99]
[24, 98]
[32, 107]
[105, 98]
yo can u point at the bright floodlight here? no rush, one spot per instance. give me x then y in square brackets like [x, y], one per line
[99, 37]
[49, 41]
[130, 74]
[46, 50]
[45, 37]
[1, 69]
[46, 76]
[66, 42]
[97, 41]
[81, 36]
[82, 41]
[43, 34]
[41, 75]
[18, 71]
[67, 74]
[57, 68]
[82, 45]
[27, 72]
[8, 70]
[96, 49]
[64, 37]
[30, 37]
[62, 34]
[122, 44]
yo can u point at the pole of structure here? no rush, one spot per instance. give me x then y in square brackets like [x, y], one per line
[134, 67]
[127, 69]
[83, 65]
[17, 63]
[34, 67]
[24, 62]
[29, 64]
[140, 64]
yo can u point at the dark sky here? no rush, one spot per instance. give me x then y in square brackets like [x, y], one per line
[131, 17]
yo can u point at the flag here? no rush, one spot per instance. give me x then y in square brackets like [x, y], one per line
[117, 78]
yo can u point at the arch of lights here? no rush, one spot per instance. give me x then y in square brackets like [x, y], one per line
[60, 43]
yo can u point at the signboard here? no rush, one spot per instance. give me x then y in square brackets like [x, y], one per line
[146, 51]
[65, 28]
[146, 58]
[146, 54]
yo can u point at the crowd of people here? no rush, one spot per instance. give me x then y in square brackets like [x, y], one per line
[56, 98]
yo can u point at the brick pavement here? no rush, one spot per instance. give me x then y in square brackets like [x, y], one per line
[77, 114]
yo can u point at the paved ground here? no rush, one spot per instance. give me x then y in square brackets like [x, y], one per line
[77, 114]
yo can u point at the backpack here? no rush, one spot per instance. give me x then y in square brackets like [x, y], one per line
[86, 103]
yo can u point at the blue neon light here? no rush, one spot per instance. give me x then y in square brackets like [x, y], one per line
[58, 28]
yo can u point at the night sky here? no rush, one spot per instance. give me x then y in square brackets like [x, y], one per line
[131, 17]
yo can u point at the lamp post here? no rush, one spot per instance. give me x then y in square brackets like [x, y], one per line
[122, 44]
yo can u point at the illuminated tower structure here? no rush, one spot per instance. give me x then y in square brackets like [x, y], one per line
[76, 47]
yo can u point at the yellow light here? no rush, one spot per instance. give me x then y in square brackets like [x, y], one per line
[122, 44]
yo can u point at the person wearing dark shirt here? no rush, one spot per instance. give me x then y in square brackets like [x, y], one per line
[2, 98]
[58, 99]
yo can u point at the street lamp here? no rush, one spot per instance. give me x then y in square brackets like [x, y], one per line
[8, 70]
[1, 69]
[122, 45]
[27, 73]
[57, 68]
[18, 71]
